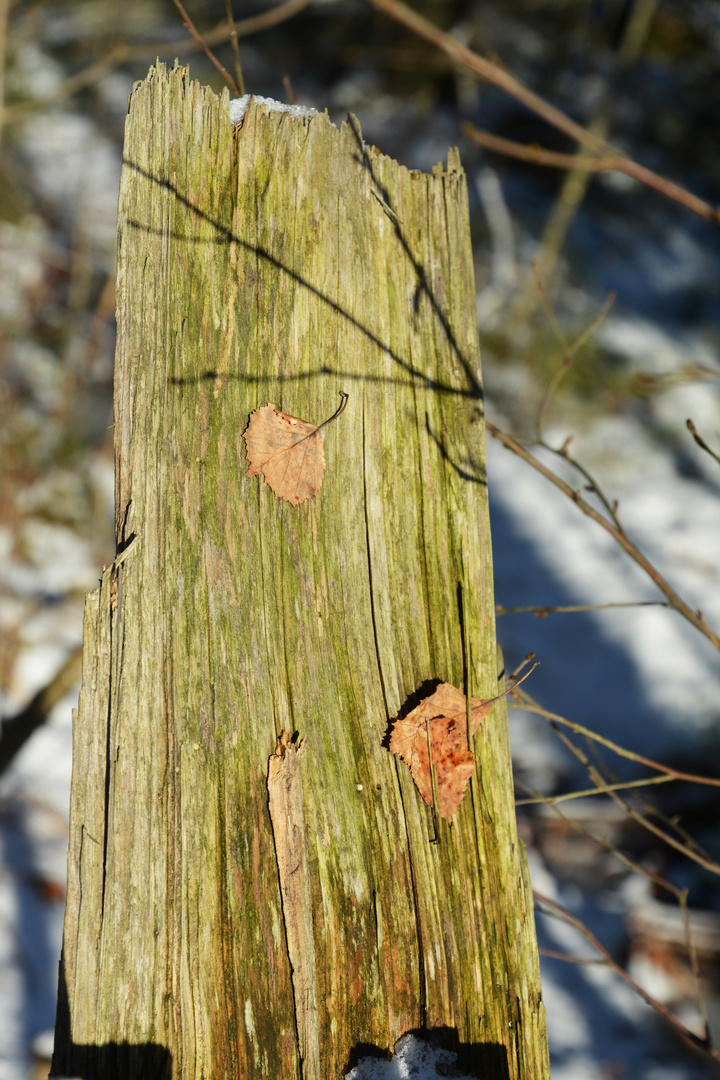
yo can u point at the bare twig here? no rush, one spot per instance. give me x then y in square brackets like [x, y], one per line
[684, 845]
[606, 845]
[264, 21]
[673, 823]
[680, 895]
[696, 618]
[188, 24]
[536, 155]
[684, 1032]
[576, 181]
[89, 75]
[692, 952]
[235, 51]
[486, 69]
[516, 673]
[690, 850]
[569, 351]
[525, 701]
[17, 730]
[561, 609]
[288, 88]
[647, 383]
[222, 33]
[701, 442]
[554, 954]
[551, 800]
[591, 483]
[121, 54]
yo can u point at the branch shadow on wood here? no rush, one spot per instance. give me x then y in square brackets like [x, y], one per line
[225, 235]
[107, 1061]
[423, 286]
[475, 478]
[484, 1061]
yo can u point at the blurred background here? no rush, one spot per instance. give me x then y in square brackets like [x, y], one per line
[645, 74]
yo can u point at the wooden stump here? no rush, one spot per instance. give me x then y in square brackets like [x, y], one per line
[256, 887]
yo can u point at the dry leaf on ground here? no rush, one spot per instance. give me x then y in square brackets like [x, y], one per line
[287, 451]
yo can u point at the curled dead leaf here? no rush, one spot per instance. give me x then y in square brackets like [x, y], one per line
[443, 717]
[444, 714]
[287, 451]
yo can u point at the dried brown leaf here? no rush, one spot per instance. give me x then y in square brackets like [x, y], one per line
[445, 714]
[287, 451]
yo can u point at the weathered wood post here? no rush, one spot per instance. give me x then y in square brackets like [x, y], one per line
[256, 887]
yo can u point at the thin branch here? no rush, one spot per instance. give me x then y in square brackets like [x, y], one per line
[534, 154]
[687, 845]
[551, 800]
[593, 325]
[494, 74]
[17, 729]
[691, 851]
[222, 33]
[701, 442]
[525, 701]
[696, 618]
[121, 54]
[647, 383]
[288, 88]
[569, 351]
[561, 609]
[673, 823]
[516, 673]
[591, 485]
[684, 1032]
[549, 313]
[264, 21]
[188, 24]
[680, 895]
[554, 954]
[692, 952]
[606, 845]
[89, 75]
[235, 51]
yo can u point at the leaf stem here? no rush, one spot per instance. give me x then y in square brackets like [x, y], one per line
[335, 415]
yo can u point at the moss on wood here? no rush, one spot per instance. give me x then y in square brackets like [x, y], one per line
[285, 261]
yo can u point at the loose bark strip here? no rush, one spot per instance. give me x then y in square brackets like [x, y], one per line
[288, 823]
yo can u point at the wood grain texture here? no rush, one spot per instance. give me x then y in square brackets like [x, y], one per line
[282, 262]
